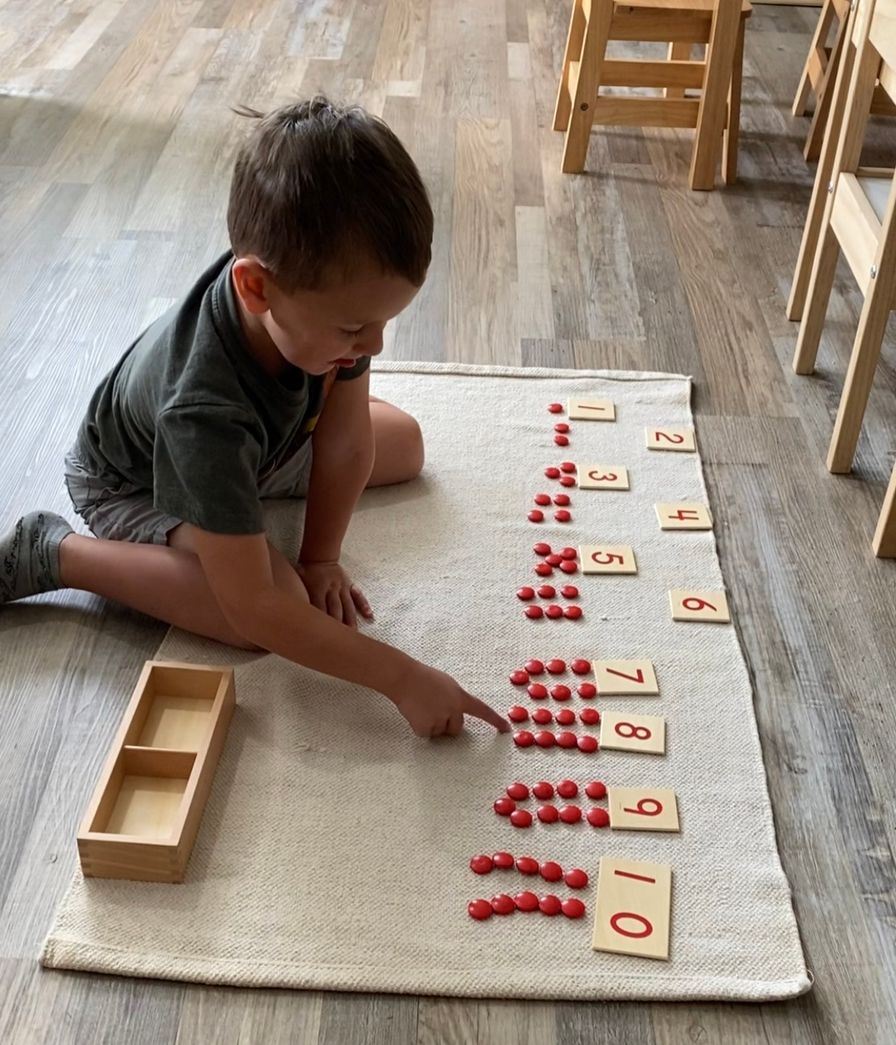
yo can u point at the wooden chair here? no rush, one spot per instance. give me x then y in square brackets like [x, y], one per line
[820, 70]
[681, 23]
[859, 219]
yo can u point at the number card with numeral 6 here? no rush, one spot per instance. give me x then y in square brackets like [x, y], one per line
[637, 809]
[632, 913]
[602, 477]
[607, 558]
[629, 677]
[681, 439]
[700, 605]
[621, 731]
[591, 410]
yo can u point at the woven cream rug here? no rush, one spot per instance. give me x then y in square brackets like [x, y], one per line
[335, 848]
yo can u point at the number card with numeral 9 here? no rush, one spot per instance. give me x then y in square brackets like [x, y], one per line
[591, 410]
[700, 605]
[630, 677]
[607, 558]
[637, 809]
[633, 909]
[684, 517]
[621, 731]
[681, 439]
[602, 477]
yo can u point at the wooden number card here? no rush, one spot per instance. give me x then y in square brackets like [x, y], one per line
[591, 410]
[602, 477]
[633, 909]
[630, 677]
[637, 809]
[621, 731]
[700, 605]
[684, 517]
[681, 439]
[607, 558]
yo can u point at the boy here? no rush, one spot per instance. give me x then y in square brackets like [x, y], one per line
[257, 385]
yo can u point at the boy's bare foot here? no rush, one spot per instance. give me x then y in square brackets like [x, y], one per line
[29, 555]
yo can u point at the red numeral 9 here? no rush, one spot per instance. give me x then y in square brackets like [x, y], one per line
[689, 603]
[670, 437]
[642, 811]
[638, 732]
[646, 930]
[609, 557]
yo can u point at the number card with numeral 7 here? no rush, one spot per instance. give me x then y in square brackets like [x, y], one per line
[607, 558]
[602, 477]
[630, 677]
[680, 439]
[700, 605]
[684, 517]
[637, 809]
[591, 410]
[621, 731]
[633, 909]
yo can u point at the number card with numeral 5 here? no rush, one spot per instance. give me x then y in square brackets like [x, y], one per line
[621, 731]
[637, 809]
[633, 908]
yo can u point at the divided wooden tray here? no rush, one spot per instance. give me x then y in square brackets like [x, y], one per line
[145, 812]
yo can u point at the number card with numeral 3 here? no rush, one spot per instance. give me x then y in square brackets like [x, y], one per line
[681, 439]
[630, 677]
[632, 913]
[607, 558]
[602, 477]
[621, 731]
[637, 809]
[700, 605]
[591, 410]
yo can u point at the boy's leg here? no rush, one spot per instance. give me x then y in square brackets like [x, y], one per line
[398, 442]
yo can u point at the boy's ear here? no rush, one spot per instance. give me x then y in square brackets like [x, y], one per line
[251, 280]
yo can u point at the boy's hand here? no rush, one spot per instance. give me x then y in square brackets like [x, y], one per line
[435, 705]
[331, 590]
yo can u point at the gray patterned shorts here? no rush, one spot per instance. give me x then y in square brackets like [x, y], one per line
[119, 511]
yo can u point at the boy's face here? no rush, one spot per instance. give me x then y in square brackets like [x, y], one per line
[333, 325]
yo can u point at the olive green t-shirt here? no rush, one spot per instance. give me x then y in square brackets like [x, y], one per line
[189, 414]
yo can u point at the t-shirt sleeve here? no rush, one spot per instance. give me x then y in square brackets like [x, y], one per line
[205, 468]
[357, 370]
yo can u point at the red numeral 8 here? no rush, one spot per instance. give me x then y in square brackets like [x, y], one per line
[638, 732]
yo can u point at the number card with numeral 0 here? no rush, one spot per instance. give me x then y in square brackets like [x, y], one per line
[607, 558]
[591, 410]
[621, 731]
[633, 909]
[630, 677]
[637, 809]
[681, 439]
[602, 477]
[700, 605]
[684, 517]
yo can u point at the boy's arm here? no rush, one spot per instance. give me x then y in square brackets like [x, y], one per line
[343, 451]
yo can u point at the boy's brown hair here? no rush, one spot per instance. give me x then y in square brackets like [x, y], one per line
[318, 187]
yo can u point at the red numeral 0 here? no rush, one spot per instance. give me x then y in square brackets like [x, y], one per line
[610, 477]
[647, 927]
[609, 558]
[638, 732]
[642, 811]
[673, 437]
[688, 603]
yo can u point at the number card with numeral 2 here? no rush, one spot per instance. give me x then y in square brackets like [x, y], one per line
[622, 731]
[637, 809]
[633, 909]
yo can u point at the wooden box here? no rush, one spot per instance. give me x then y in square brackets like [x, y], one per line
[145, 812]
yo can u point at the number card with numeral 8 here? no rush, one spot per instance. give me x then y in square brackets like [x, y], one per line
[700, 605]
[630, 677]
[591, 410]
[632, 912]
[680, 439]
[637, 809]
[621, 731]
[602, 477]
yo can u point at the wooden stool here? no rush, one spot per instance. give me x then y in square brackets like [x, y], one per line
[859, 219]
[681, 23]
[820, 71]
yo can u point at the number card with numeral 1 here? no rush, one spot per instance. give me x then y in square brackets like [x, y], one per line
[681, 439]
[630, 677]
[602, 477]
[591, 410]
[607, 558]
[700, 605]
[637, 809]
[684, 517]
[632, 913]
[621, 731]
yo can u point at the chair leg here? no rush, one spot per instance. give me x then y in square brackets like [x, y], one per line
[884, 542]
[572, 54]
[823, 95]
[679, 51]
[822, 28]
[711, 113]
[862, 364]
[819, 294]
[594, 46]
[731, 136]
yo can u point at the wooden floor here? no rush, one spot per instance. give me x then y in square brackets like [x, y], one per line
[115, 150]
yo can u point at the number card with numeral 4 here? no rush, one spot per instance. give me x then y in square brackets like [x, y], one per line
[621, 731]
[591, 410]
[684, 517]
[681, 439]
[607, 558]
[630, 677]
[602, 477]
[700, 605]
[633, 910]
[634, 809]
